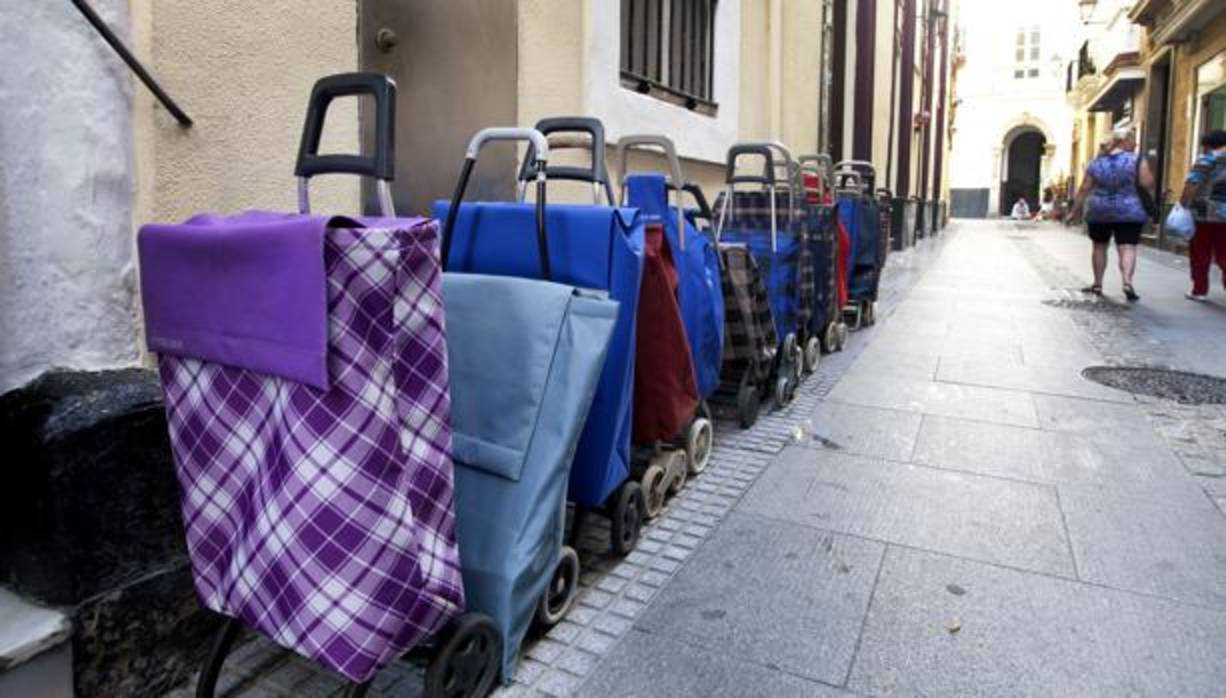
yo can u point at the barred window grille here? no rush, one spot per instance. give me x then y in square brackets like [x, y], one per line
[668, 50]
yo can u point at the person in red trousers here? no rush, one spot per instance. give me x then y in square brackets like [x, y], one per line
[1204, 194]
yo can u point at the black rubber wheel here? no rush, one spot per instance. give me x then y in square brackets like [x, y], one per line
[468, 660]
[748, 405]
[563, 587]
[628, 511]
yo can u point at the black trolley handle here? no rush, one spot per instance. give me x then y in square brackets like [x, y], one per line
[572, 132]
[380, 166]
[665, 145]
[769, 179]
[538, 152]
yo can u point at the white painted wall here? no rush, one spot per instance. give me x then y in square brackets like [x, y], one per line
[993, 102]
[67, 277]
[623, 111]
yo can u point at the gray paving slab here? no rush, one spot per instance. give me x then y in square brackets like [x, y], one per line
[941, 626]
[866, 431]
[945, 399]
[1093, 417]
[1052, 457]
[649, 665]
[1008, 522]
[882, 359]
[774, 593]
[1176, 551]
[1053, 380]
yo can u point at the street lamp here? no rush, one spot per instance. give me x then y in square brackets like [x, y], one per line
[1087, 9]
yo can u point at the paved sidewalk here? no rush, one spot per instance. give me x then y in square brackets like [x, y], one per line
[972, 517]
[949, 508]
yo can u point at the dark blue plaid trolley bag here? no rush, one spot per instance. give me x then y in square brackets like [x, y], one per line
[771, 222]
[861, 213]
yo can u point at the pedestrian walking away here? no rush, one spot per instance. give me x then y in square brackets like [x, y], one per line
[1204, 194]
[1113, 202]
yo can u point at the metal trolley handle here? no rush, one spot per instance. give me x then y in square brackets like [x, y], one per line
[824, 166]
[769, 179]
[380, 166]
[866, 170]
[538, 151]
[665, 145]
[553, 129]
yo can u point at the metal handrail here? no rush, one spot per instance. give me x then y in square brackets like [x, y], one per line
[101, 27]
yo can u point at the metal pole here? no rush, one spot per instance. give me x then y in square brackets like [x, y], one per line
[184, 120]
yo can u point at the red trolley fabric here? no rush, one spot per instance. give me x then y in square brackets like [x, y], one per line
[665, 388]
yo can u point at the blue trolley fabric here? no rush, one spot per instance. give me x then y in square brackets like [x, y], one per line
[862, 218]
[699, 293]
[525, 359]
[749, 224]
[591, 247]
[822, 250]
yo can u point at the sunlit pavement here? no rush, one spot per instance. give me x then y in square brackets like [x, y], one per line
[949, 508]
[977, 518]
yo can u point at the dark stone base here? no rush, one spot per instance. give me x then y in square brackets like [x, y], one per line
[143, 639]
[89, 521]
[90, 499]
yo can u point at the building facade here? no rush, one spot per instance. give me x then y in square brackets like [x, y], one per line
[1183, 66]
[1014, 127]
[1158, 66]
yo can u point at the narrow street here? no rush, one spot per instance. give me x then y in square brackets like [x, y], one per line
[970, 515]
[949, 508]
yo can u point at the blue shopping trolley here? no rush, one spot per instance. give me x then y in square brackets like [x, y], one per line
[590, 247]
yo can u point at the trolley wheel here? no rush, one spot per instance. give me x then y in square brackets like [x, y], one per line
[748, 405]
[698, 442]
[872, 312]
[468, 660]
[813, 354]
[655, 489]
[678, 468]
[789, 346]
[842, 336]
[831, 338]
[783, 391]
[563, 588]
[628, 509]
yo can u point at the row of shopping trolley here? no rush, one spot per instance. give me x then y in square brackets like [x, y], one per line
[389, 432]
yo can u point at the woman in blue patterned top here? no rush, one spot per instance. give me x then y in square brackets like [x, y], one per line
[1205, 195]
[1111, 205]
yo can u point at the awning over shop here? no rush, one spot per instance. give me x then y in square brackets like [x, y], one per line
[1121, 87]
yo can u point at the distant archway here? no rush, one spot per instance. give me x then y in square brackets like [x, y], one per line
[1023, 175]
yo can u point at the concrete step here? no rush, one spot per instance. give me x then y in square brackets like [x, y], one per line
[35, 652]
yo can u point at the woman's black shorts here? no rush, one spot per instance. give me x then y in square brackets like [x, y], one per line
[1124, 233]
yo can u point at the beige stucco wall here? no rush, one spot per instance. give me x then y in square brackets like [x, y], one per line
[243, 71]
[802, 34]
[755, 106]
[883, 69]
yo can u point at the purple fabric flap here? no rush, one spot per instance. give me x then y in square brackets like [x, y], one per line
[247, 291]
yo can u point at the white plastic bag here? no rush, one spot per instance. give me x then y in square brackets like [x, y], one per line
[1179, 223]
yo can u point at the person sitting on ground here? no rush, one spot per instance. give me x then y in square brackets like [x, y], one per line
[1021, 210]
[1109, 202]
[1204, 194]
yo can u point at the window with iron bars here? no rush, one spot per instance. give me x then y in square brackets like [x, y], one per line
[668, 50]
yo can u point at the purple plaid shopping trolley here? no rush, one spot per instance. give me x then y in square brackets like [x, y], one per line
[305, 373]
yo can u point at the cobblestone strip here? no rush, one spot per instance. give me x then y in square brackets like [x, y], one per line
[613, 592]
[1196, 433]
